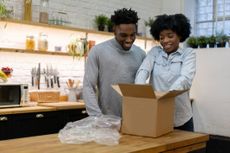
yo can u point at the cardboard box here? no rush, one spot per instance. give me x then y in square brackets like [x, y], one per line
[146, 112]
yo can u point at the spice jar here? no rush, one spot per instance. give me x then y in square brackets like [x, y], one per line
[42, 42]
[30, 43]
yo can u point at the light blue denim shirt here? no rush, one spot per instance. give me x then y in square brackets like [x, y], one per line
[170, 72]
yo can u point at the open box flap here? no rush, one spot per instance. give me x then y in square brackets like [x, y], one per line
[135, 90]
[170, 94]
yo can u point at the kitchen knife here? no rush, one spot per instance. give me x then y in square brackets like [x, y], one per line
[58, 82]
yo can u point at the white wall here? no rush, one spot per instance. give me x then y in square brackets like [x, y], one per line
[172, 6]
[210, 91]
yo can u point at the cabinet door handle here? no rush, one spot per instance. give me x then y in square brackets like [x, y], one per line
[3, 118]
[83, 111]
[39, 115]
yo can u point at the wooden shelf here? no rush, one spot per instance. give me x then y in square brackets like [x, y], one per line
[33, 51]
[67, 28]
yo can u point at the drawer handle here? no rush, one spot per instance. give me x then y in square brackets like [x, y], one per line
[4, 118]
[83, 111]
[39, 115]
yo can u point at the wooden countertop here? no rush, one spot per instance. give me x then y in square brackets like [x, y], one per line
[170, 143]
[64, 105]
[42, 107]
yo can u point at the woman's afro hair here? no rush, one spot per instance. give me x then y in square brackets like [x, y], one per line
[124, 16]
[178, 23]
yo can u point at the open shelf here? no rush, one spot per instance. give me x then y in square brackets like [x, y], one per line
[67, 28]
[33, 51]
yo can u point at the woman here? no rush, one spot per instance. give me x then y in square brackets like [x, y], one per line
[169, 66]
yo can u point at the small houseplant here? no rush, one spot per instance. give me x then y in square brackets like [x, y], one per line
[101, 21]
[221, 39]
[212, 41]
[148, 24]
[109, 25]
[4, 12]
[202, 41]
[192, 42]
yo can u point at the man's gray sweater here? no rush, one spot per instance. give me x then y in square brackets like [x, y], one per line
[108, 64]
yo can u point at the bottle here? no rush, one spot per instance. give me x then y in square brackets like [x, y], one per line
[43, 15]
[27, 10]
[30, 43]
[42, 42]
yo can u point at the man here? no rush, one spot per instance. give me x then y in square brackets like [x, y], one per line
[111, 62]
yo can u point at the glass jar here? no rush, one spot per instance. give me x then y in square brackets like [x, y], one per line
[43, 42]
[30, 43]
[44, 9]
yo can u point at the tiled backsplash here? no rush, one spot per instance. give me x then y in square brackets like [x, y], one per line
[22, 64]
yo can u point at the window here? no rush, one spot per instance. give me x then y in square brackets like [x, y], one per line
[212, 17]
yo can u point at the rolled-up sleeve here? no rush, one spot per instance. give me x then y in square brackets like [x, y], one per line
[188, 71]
[145, 69]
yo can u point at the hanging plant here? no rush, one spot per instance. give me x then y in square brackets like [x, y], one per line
[78, 48]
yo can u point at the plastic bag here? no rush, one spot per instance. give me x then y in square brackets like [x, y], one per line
[103, 130]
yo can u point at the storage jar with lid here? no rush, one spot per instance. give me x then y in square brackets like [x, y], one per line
[43, 42]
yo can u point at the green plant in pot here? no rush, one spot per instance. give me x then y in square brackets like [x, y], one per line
[192, 42]
[202, 41]
[212, 41]
[149, 22]
[4, 12]
[221, 40]
[101, 21]
[110, 25]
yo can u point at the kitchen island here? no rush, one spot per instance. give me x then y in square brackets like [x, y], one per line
[174, 142]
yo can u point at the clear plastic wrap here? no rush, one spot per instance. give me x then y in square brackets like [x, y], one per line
[103, 130]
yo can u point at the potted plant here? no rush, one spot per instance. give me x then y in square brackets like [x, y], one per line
[221, 40]
[4, 12]
[211, 41]
[148, 24]
[192, 42]
[101, 21]
[202, 41]
[109, 25]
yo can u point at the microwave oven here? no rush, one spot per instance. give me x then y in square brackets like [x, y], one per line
[13, 95]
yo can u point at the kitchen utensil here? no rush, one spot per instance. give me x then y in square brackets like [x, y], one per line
[39, 75]
[70, 83]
